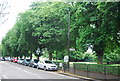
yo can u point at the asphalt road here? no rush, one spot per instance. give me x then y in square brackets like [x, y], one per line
[10, 70]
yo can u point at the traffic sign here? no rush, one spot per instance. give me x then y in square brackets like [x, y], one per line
[71, 49]
[38, 50]
[66, 58]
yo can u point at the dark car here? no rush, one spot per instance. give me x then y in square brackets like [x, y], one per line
[26, 62]
[33, 63]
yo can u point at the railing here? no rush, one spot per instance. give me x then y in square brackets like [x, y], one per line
[104, 69]
[97, 71]
[93, 70]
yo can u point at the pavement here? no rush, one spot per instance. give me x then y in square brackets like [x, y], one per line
[82, 77]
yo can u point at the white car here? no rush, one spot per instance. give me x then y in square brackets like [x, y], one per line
[20, 61]
[47, 65]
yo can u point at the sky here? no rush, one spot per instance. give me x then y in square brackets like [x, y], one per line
[14, 7]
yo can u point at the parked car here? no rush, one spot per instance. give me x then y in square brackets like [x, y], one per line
[20, 61]
[33, 63]
[26, 62]
[12, 59]
[15, 60]
[6, 58]
[47, 65]
[2, 59]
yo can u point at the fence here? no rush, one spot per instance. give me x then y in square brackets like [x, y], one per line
[93, 71]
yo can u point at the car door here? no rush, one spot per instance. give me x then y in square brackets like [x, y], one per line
[40, 64]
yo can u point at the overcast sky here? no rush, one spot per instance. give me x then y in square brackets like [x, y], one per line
[16, 6]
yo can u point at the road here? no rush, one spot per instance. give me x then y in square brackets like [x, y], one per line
[10, 70]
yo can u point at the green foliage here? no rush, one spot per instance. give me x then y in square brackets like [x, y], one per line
[45, 24]
[96, 23]
[113, 57]
[52, 26]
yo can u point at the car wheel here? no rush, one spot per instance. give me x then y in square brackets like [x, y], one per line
[45, 68]
[37, 67]
[33, 66]
[29, 65]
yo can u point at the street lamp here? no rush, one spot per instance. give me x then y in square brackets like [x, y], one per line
[68, 42]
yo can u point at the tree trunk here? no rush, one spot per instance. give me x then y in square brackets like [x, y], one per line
[100, 59]
[100, 52]
[17, 57]
[37, 57]
[50, 56]
[21, 56]
[30, 55]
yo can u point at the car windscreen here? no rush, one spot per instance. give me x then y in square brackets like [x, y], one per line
[27, 59]
[36, 61]
[49, 62]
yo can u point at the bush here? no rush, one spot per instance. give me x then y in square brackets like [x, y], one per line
[112, 57]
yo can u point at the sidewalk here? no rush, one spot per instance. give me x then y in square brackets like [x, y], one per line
[77, 76]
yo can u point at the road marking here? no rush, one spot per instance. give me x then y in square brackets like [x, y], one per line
[5, 76]
[27, 72]
[18, 68]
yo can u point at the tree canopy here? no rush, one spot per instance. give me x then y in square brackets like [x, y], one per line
[45, 25]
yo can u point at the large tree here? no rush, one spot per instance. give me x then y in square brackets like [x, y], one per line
[52, 28]
[97, 23]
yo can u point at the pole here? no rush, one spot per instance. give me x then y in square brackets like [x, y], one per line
[68, 36]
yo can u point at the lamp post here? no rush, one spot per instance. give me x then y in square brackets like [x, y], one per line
[68, 40]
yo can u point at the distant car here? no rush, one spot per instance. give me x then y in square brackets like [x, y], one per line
[9, 59]
[26, 62]
[47, 65]
[20, 61]
[15, 60]
[2, 59]
[33, 63]
[12, 59]
[6, 58]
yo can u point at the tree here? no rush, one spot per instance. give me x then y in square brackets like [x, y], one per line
[93, 22]
[52, 27]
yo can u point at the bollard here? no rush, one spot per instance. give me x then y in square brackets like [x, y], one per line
[105, 72]
[74, 68]
[118, 73]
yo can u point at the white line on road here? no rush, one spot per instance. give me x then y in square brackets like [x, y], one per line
[18, 68]
[5, 76]
[27, 72]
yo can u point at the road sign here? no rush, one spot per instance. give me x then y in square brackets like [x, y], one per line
[66, 58]
[71, 49]
[38, 50]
